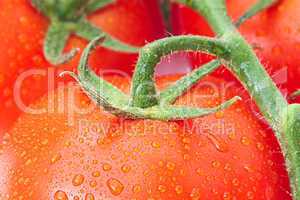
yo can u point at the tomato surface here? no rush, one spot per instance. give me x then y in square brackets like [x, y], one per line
[23, 66]
[274, 33]
[65, 154]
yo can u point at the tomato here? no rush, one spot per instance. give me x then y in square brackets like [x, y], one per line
[66, 154]
[274, 33]
[23, 31]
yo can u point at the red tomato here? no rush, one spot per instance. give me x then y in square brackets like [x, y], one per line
[23, 30]
[274, 33]
[61, 154]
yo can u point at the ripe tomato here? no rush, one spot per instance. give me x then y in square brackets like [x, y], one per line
[62, 154]
[23, 31]
[274, 33]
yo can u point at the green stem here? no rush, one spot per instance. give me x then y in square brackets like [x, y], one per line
[245, 65]
[143, 91]
[171, 93]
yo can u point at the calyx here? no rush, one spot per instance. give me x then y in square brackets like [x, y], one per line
[118, 103]
[69, 17]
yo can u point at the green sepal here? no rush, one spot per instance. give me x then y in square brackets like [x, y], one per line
[170, 94]
[54, 44]
[295, 94]
[94, 5]
[256, 8]
[88, 31]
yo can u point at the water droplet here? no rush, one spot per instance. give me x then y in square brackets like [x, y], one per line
[106, 167]
[245, 140]
[125, 168]
[78, 179]
[260, 146]
[60, 195]
[162, 188]
[250, 195]
[44, 142]
[227, 196]
[171, 166]
[115, 186]
[93, 184]
[161, 163]
[232, 135]
[96, 174]
[179, 189]
[220, 145]
[227, 167]
[216, 164]
[200, 172]
[186, 140]
[136, 188]
[155, 145]
[195, 194]
[28, 162]
[235, 182]
[55, 158]
[89, 196]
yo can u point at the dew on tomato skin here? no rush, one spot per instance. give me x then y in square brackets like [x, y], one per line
[106, 167]
[44, 142]
[186, 140]
[260, 146]
[55, 158]
[227, 196]
[200, 172]
[136, 188]
[171, 166]
[220, 145]
[162, 188]
[235, 182]
[250, 195]
[96, 174]
[186, 157]
[115, 186]
[178, 189]
[78, 179]
[195, 194]
[216, 164]
[126, 168]
[146, 173]
[89, 196]
[232, 135]
[155, 145]
[93, 184]
[28, 162]
[227, 167]
[245, 140]
[60, 195]
[160, 163]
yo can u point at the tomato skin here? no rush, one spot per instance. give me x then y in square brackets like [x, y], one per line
[274, 33]
[228, 155]
[23, 31]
